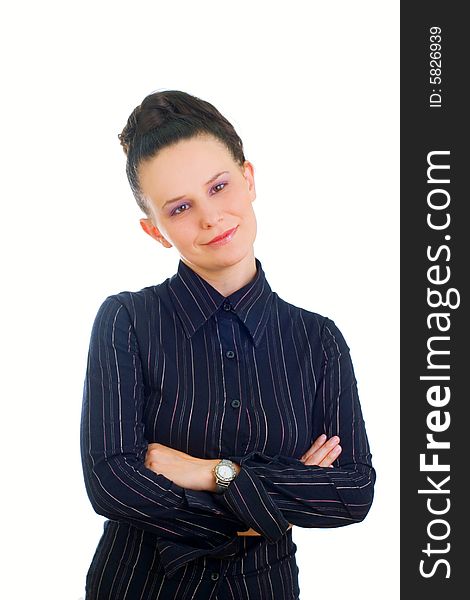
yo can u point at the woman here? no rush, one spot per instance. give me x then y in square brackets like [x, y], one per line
[213, 410]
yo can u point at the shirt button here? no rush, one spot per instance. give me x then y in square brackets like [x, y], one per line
[230, 354]
[235, 403]
[214, 576]
[227, 305]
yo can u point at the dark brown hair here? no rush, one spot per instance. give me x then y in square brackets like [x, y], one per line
[164, 118]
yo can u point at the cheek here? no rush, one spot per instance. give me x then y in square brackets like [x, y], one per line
[239, 201]
[184, 232]
[248, 211]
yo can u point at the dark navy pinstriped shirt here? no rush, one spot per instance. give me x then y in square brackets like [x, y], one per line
[248, 377]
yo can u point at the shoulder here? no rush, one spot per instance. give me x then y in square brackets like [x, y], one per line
[314, 323]
[297, 314]
[138, 306]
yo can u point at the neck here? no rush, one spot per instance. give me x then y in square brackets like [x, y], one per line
[229, 279]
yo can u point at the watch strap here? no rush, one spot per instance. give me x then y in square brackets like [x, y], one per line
[221, 484]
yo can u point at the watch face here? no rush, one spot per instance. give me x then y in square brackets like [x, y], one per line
[225, 472]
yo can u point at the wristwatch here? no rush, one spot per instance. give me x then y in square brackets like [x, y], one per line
[224, 472]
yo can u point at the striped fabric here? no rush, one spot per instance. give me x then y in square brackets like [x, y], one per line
[248, 377]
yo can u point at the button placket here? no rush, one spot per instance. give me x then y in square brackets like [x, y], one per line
[233, 420]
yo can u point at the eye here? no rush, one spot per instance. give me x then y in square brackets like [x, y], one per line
[174, 212]
[217, 185]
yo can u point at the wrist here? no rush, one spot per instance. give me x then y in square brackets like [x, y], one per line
[212, 485]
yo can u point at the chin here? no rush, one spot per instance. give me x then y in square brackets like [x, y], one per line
[226, 259]
[235, 257]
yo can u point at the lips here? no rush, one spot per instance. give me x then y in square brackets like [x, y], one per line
[224, 235]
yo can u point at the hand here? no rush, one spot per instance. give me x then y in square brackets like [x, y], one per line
[183, 469]
[251, 531]
[323, 452]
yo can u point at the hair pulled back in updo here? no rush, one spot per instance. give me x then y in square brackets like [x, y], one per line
[164, 118]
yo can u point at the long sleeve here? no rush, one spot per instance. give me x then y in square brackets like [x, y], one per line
[272, 491]
[113, 449]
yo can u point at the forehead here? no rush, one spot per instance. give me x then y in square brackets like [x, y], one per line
[176, 169]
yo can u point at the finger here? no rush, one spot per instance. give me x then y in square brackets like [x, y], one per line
[318, 443]
[152, 449]
[154, 452]
[149, 455]
[250, 531]
[331, 457]
[324, 459]
[317, 456]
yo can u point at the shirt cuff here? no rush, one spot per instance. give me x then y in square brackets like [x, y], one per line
[247, 498]
[174, 555]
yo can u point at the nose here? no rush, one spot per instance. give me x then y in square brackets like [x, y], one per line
[210, 215]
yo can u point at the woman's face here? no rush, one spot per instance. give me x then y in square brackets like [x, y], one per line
[196, 191]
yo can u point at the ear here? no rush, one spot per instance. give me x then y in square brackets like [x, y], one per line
[149, 228]
[249, 174]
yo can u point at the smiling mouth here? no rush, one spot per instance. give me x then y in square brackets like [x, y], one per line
[225, 236]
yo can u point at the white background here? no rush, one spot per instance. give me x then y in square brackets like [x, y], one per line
[312, 89]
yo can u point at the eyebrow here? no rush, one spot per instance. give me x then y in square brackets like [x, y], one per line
[213, 178]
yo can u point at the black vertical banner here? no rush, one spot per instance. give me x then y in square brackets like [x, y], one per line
[435, 318]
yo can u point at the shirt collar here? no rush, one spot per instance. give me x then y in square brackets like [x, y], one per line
[195, 300]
